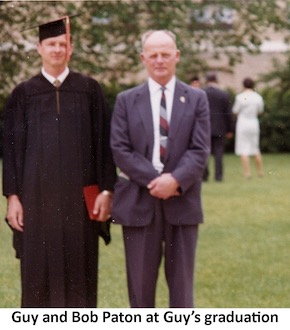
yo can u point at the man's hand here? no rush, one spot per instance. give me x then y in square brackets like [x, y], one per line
[164, 186]
[15, 213]
[103, 204]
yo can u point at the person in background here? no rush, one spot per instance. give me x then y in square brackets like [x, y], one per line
[247, 107]
[160, 138]
[221, 123]
[56, 141]
[195, 82]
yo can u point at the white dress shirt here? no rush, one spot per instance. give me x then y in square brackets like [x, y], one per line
[155, 98]
[52, 79]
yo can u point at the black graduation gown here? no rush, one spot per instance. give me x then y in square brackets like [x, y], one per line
[49, 154]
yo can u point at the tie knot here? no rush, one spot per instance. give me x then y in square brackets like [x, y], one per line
[163, 88]
[56, 83]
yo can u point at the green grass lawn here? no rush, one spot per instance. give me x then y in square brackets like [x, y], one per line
[243, 252]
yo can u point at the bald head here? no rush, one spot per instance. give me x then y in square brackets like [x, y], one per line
[158, 34]
[160, 55]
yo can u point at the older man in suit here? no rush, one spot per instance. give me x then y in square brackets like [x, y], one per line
[221, 123]
[160, 138]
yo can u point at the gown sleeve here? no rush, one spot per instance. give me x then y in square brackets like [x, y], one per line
[14, 131]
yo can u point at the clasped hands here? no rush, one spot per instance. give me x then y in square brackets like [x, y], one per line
[164, 186]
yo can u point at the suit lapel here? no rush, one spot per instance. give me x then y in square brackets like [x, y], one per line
[143, 106]
[180, 101]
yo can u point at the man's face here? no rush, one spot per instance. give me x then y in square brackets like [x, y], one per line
[54, 52]
[160, 57]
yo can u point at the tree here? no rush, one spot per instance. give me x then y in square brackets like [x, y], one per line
[275, 122]
[107, 34]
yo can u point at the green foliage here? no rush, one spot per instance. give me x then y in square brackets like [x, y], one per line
[275, 122]
[106, 38]
[107, 33]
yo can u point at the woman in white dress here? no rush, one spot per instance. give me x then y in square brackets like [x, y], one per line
[247, 107]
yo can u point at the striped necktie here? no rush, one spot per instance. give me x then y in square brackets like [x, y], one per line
[163, 126]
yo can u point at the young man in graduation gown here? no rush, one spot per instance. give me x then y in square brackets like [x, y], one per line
[56, 141]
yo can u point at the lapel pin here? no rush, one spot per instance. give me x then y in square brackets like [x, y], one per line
[182, 99]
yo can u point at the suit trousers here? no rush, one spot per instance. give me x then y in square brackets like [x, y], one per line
[144, 249]
[217, 150]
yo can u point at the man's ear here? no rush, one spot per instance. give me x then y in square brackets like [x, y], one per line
[177, 55]
[69, 51]
[38, 47]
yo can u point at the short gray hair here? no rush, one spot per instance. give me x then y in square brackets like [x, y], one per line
[148, 33]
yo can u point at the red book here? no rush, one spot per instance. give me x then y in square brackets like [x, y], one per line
[90, 194]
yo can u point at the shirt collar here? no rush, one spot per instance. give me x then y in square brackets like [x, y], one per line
[155, 87]
[52, 79]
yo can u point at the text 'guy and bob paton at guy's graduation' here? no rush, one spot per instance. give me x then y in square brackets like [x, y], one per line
[107, 317]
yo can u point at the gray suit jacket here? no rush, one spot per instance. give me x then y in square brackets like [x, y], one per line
[187, 152]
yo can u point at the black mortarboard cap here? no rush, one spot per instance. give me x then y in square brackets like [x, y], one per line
[55, 28]
[52, 29]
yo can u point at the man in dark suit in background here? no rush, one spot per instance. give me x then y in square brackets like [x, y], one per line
[221, 123]
[157, 198]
